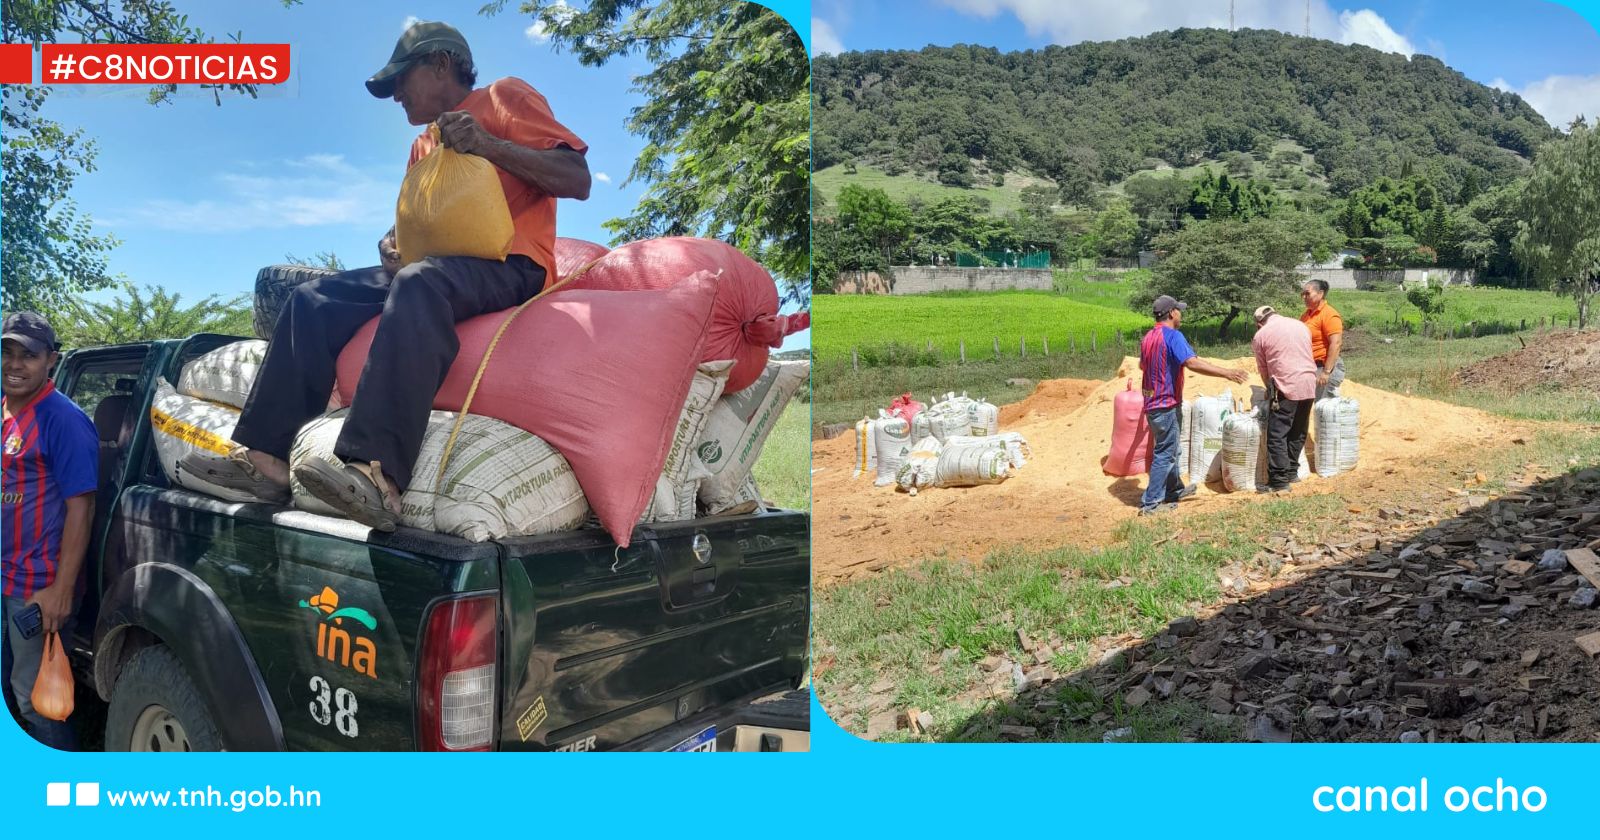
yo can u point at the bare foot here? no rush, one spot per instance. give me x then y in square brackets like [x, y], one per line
[274, 469]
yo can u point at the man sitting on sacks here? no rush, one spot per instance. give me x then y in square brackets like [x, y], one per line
[430, 74]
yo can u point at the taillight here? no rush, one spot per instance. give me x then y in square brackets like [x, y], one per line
[456, 686]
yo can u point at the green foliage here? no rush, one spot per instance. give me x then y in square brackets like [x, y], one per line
[1094, 113]
[1559, 235]
[1222, 197]
[322, 259]
[1429, 300]
[1224, 267]
[150, 315]
[48, 254]
[726, 120]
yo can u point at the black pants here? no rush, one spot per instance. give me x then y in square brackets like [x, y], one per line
[1286, 439]
[411, 353]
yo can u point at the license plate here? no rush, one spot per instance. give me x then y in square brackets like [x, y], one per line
[703, 741]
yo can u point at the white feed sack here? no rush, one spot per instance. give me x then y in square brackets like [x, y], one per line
[1241, 448]
[921, 467]
[182, 424]
[866, 448]
[746, 500]
[501, 481]
[224, 375]
[683, 469]
[892, 441]
[1206, 415]
[738, 427]
[1338, 435]
[966, 465]
[985, 419]
[1183, 439]
[1017, 450]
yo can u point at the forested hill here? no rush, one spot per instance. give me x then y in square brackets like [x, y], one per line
[1094, 113]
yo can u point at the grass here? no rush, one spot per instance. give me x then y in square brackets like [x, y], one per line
[1002, 200]
[882, 327]
[783, 472]
[926, 628]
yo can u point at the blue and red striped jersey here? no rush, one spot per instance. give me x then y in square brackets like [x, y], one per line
[51, 454]
[1161, 356]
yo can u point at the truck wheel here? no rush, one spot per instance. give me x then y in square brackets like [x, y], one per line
[156, 708]
[273, 285]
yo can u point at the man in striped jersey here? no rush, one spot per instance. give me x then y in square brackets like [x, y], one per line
[51, 469]
[1164, 355]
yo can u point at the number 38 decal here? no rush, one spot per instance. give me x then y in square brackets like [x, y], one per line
[342, 712]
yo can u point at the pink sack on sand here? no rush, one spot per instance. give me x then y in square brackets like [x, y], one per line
[905, 407]
[745, 323]
[1130, 435]
[600, 376]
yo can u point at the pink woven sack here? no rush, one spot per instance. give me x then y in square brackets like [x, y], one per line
[745, 324]
[573, 254]
[601, 376]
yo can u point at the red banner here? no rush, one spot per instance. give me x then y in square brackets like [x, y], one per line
[164, 64]
[16, 64]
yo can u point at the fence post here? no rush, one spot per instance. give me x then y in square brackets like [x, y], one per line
[997, 347]
[1023, 343]
[963, 351]
[1094, 341]
[1074, 343]
[1524, 324]
[1047, 346]
[930, 345]
[855, 361]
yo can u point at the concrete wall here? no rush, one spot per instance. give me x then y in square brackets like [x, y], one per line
[912, 280]
[1350, 278]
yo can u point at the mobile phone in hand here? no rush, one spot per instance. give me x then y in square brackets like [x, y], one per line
[29, 622]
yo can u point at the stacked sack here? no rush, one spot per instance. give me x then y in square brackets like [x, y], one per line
[1337, 421]
[736, 429]
[200, 413]
[971, 428]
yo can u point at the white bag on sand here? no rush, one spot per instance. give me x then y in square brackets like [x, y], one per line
[739, 426]
[866, 448]
[971, 464]
[1338, 432]
[1183, 440]
[501, 480]
[1241, 449]
[183, 424]
[921, 467]
[1206, 415]
[1017, 449]
[985, 418]
[892, 439]
[224, 375]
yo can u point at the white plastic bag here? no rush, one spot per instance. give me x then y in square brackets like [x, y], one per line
[1241, 450]
[966, 465]
[921, 467]
[1338, 433]
[224, 375]
[893, 442]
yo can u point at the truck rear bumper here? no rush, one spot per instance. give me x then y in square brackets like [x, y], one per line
[779, 722]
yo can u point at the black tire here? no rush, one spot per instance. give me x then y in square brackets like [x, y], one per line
[273, 285]
[154, 683]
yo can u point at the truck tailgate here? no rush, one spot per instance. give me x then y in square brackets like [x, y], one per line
[603, 646]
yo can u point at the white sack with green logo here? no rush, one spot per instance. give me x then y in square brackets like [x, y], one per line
[684, 469]
[739, 426]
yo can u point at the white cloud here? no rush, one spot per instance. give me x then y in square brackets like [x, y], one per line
[318, 189]
[536, 30]
[602, 177]
[824, 39]
[1369, 28]
[1102, 20]
[1560, 98]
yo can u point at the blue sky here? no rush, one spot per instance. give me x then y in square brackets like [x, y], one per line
[1546, 52]
[202, 196]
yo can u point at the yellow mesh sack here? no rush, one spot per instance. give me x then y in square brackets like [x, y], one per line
[451, 205]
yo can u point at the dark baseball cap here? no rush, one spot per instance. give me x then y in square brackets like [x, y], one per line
[1165, 304]
[419, 40]
[31, 330]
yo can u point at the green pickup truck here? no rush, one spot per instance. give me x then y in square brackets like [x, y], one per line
[210, 625]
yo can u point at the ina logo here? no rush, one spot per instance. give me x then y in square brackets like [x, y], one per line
[13, 445]
[710, 452]
[335, 642]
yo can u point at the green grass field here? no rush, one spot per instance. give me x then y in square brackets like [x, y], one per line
[877, 325]
[783, 472]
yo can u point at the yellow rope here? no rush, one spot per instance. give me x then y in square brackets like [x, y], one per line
[483, 365]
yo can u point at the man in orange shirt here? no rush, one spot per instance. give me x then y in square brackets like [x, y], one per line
[1327, 336]
[431, 75]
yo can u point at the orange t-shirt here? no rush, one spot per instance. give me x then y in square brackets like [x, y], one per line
[511, 109]
[1324, 323]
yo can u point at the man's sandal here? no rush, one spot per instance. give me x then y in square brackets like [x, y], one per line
[235, 472]
[359, 491]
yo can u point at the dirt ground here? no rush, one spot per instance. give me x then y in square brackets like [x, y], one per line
[1061, 496]
[1565, 360]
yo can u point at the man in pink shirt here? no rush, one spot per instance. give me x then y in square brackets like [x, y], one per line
[1283, 358]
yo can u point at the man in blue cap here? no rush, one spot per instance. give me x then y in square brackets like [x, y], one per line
[51, 471]
[431, 75]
